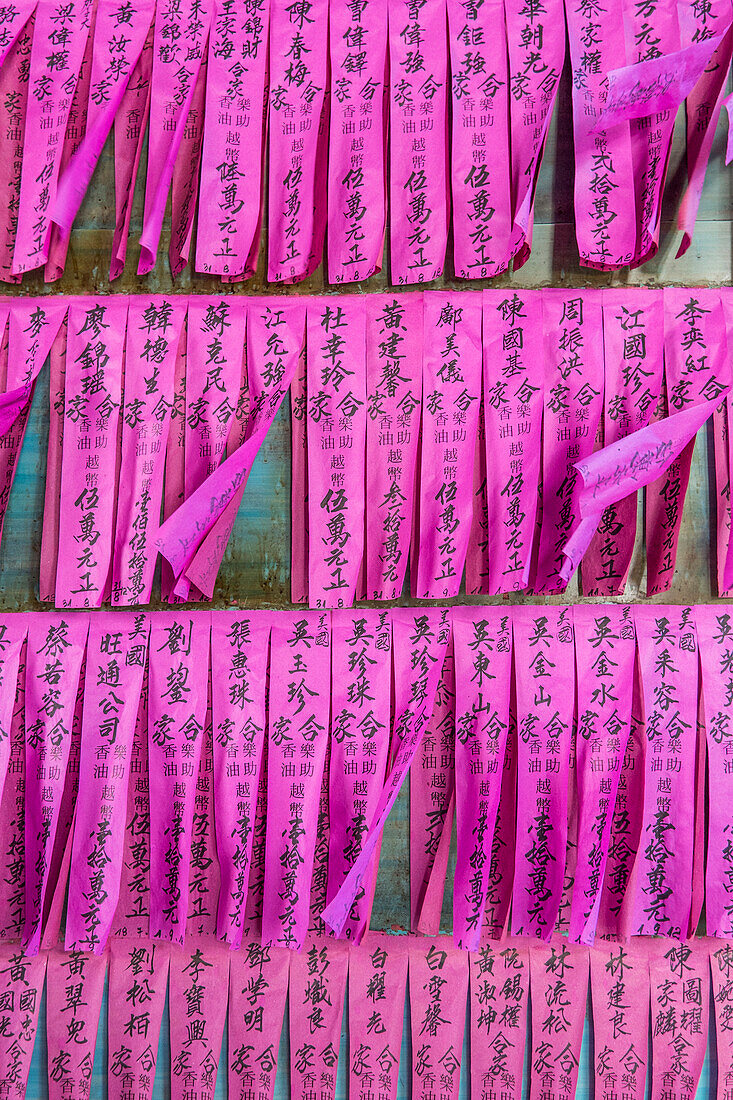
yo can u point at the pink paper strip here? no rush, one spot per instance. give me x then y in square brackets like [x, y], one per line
[559, 989]
[604, 656]
[394, 393]
[663, 870]
[238, 706]
[438, 989]
[138, 981]
[13, 630]
[258, 988]
[175, 456]
[59, 40]
[256, 887]
[498, 1005]
[89, 470]
[234, 135]
[197, 998]
[337, 416]
[297, 735]
[361, 669]
[179, 673]
[680, 986]
[480, 158]
[117, 651]
[721, 965]
[483, 641]
[357, 200]
[319, 877]
[633, 331]
[377, 982]
[55, 652]
[131, 121]
[419, 638]
[204, 885]
[73, 1003]
[31, 333]
[513, 396]
[451, 393]
[722, 418]
[419, 202]
[54, 455]
[153, 332]
[573, 345]
[21, 989]
[12, 821]
[184, 185]
[13, 106]
[316, 1002]
[300, 535]
[619, 978]
[181, 34]
[298, 128]
[543, 662]
[133, 909]
[477, 555]
[501, 868]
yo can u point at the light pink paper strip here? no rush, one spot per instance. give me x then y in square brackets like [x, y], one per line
[197, 997]
[498, 1005]
[394, 396]
[258, 987]
[138, 982]
[357, 207]
[179, 672]
[241, 643]
[232, 158]
[117, 651]
[559, 990]
[377, 982]
[545, 676]
[316, 1004]
[21, 989]
[619, 978]
[419, 202]
[337, 417]
[680, 995]
[55, 652]
[483, 642]
[131, 122]
[438, 988]
[73, 1003]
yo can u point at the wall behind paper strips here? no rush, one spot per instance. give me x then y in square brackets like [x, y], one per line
[256, 568]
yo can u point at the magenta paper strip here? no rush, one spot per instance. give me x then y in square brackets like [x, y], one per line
[181, 34]
[132, 916]
[317, 993]
[204, 884]
[722, 418]
[154, 328]
[559, 990]
[477, 555]
[117, 651]
[536, 42]
[605, 652]
[297, 736]
[513, 398]
[13, 108]
[298, 129]
[498, 1005]
[394, 397]
[31, 332]
[483, 643]
[21, 989]
[633, 331]
[680, 995]
[714, 632]
[199, 984]
[337, 415]
[451, 398]
[300, 535]
[573, 346]
[12, 821]
[357, 200]
[721, 965]
[55, 652]
[59, 41]
[432, 803]
[544, 670]
[231, 163]
[377, 983]
[418, 57]
[258, 988]
[138, 981]
[50, 533]
[605, 225]
[319, 877]
[419, 638]
[73, 1003]
[480, 159]
[93, 384]
[361, 669]
[669, 670]
[13, 630]
[501, 869]
[186, 171]
[619, 978]
[256, 889]
[131, 122]
[179, 674]
[438, 990]
[241, 643]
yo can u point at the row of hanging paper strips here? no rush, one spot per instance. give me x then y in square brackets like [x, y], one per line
[464, 91]
[423, 426]
[255, 799]
[522, 1029]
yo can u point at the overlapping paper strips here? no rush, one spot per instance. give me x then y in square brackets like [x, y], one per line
[434, 112]
[501, 434]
